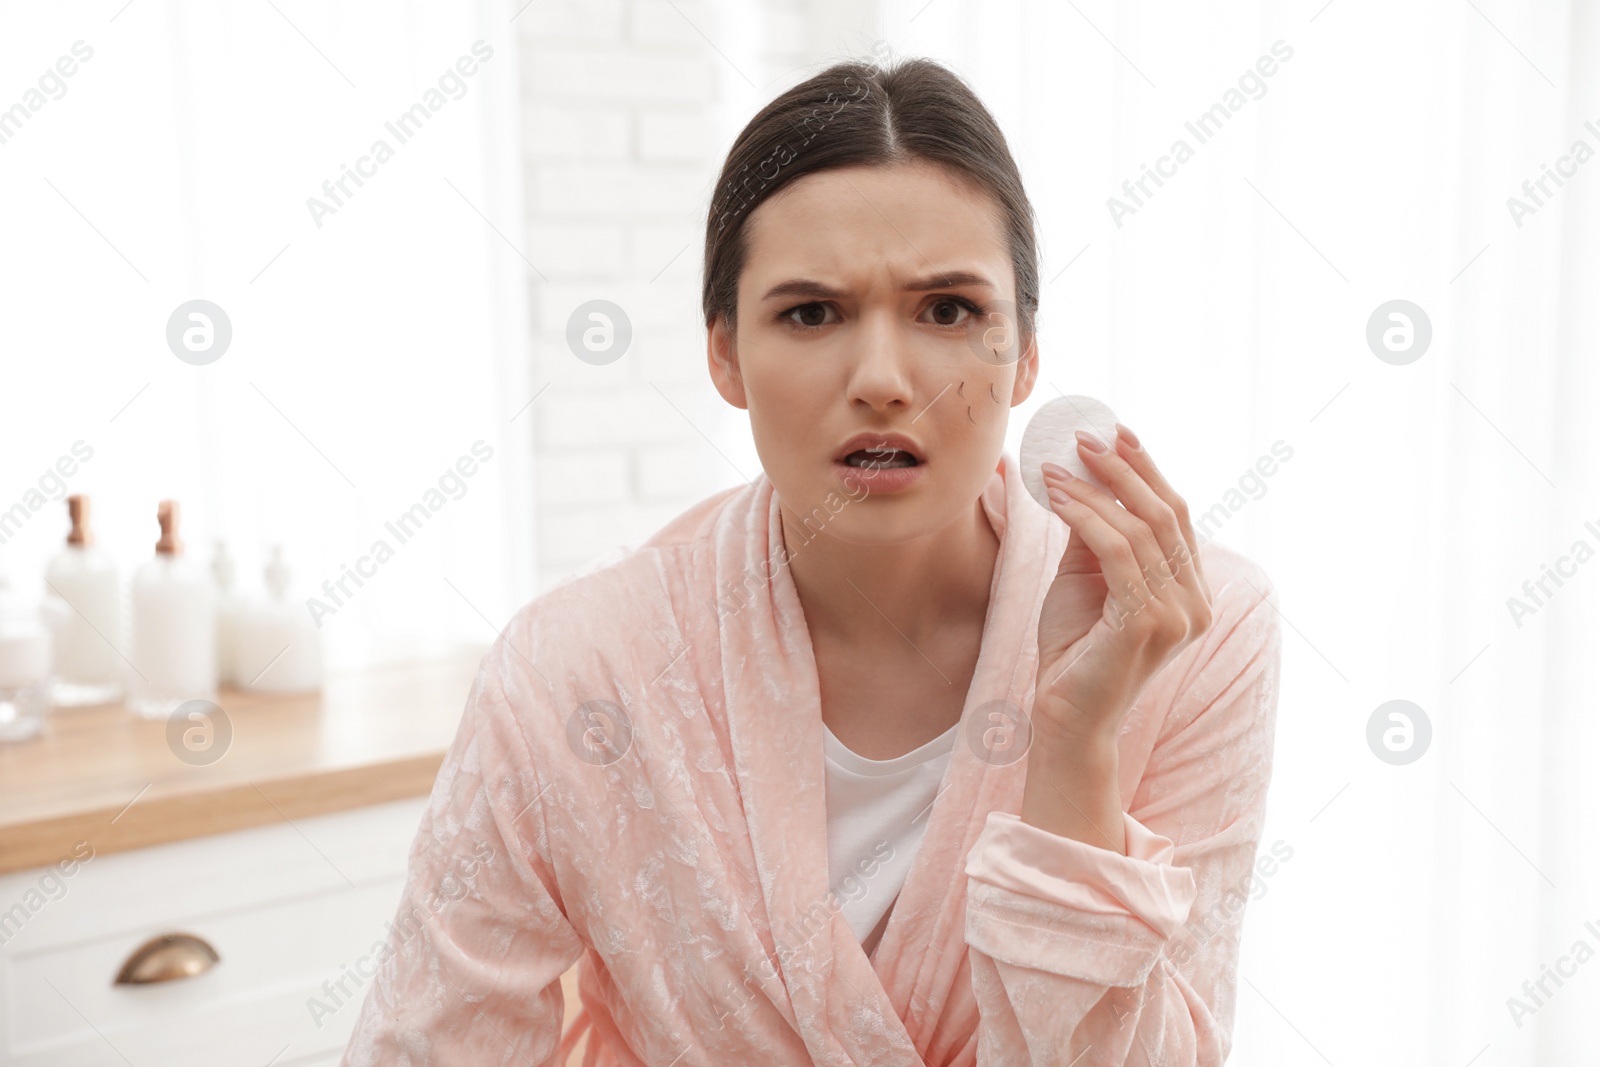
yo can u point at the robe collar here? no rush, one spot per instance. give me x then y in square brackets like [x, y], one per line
[848, 1008]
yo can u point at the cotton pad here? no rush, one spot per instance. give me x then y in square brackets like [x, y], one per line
[1051, 438]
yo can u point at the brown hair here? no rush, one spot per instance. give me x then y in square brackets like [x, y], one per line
[858, 114]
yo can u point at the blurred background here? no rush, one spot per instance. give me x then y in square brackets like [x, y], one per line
[1354, 318]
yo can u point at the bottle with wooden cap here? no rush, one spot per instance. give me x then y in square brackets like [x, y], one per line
[81, 582]
[174, 647]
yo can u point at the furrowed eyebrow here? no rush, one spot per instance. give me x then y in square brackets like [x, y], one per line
[949, 281]
[806, 287]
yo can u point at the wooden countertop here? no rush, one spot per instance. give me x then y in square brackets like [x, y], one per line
[106, 776]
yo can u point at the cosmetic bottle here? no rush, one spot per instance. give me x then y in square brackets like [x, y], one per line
[229, 605]
[174, 627]
[24, 667]
[280, 650]
[87, 617]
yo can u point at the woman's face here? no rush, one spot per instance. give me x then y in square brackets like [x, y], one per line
[880, 300]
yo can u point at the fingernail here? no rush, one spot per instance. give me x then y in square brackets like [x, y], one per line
[1125, 434]
[1055, 470]
[1091, 442]
[1058, 496]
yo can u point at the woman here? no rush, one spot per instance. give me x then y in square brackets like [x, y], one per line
[666, 767]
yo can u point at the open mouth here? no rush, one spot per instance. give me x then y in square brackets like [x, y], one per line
[880, 458]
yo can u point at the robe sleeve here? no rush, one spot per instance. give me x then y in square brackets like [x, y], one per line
[470, 971]
[1085, 957]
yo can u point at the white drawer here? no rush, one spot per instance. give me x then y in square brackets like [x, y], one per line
[286, 908]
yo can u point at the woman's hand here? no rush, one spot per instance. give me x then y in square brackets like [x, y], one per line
[1129, 593]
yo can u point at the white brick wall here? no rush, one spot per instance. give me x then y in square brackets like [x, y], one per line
[629, 106]
[573, 132]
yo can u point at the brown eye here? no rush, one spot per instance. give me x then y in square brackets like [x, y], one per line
[813, 316]
[947, 311]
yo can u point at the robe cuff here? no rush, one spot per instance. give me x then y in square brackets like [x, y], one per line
[1051, 903]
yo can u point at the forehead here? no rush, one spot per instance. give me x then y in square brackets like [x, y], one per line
[874, 223]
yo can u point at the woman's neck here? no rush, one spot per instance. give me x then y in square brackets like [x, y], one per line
[885, 595]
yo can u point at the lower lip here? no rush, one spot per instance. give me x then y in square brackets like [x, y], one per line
[881, 479]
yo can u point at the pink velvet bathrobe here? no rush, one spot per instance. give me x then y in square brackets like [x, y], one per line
[637, 783]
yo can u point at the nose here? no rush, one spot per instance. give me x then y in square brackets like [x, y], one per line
[882, 362]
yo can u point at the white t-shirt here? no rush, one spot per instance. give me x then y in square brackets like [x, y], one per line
[877, 813]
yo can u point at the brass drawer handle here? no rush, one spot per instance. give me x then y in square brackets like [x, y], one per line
[167, 958]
